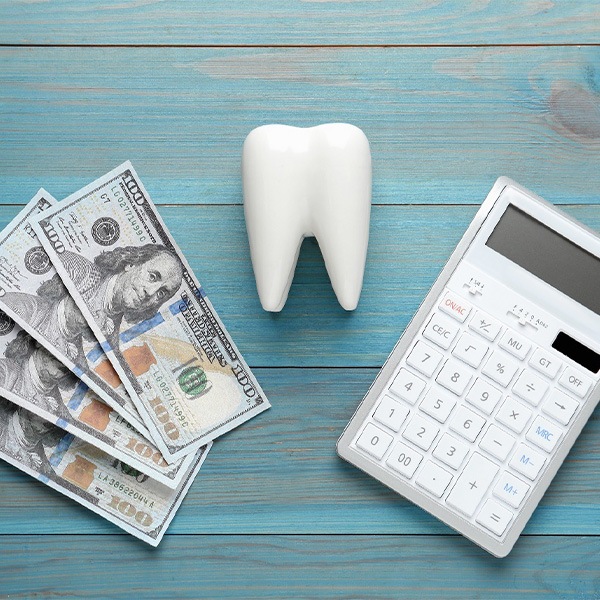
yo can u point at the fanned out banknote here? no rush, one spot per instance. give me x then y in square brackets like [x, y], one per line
[112, 489]
[149, 312]
[32, 293]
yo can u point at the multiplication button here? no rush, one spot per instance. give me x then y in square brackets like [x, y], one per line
[374, 441]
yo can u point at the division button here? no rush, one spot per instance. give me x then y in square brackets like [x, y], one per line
[472, 484]
[374, 441]
[433, 478]
[530, 387]
[494, 517]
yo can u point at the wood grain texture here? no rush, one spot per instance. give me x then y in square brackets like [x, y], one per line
[311, 567]
[443, 123]
[279, 473]
[322, 22]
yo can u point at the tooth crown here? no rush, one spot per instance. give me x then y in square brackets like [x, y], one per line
[301, 182]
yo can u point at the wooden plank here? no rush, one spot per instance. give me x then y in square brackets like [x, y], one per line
[279, 473]
[292, 22]
[408, 247]
[443, 123]
[297, 567]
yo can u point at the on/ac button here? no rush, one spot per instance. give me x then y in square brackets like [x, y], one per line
[455, 306]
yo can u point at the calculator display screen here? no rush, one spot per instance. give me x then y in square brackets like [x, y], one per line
[548, 255]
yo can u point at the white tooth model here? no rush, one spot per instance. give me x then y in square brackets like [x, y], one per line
[301, 182]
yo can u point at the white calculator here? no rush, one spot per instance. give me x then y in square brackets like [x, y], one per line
[495, 376]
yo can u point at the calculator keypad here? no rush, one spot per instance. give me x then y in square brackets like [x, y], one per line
[473, 415]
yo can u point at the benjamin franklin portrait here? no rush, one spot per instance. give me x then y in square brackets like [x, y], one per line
[125, 284]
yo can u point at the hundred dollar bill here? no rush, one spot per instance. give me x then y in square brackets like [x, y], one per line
[123, 496]
[32, 293]
[33, 378]
[145, 305]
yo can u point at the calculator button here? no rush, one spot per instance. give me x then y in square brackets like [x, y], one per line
[560, 407]
[545, 363]
[501, 368]
[530, 387]
[374, 441]
[454, 377]
[466, 423]
[450, 451]
[510, 489]
[441, 331]
[515, 344]
[424, 359]
[455, 306]
[433, 478]
[404, 460]
[421, 432]
[486, 326]
[484, 396]
[472, 484]
[470, 349]
[544, 434]
[514, 415]
[576, 382]
[526, 461]
[407, 386]
[497, 442]
[391, 413]
[437, 404]
[494, 517]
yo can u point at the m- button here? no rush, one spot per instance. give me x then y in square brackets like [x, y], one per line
[441, 331]
[455, 306]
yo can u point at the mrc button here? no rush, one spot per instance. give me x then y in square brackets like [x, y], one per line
[455, 306]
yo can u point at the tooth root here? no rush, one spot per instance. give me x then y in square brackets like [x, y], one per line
[272, 220]
[299, 182]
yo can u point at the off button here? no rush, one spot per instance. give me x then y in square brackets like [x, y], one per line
[455, 306]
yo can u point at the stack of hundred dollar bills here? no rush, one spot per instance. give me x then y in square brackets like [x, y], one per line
[115, 371]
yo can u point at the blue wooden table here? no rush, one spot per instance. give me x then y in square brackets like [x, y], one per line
[451, 95]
